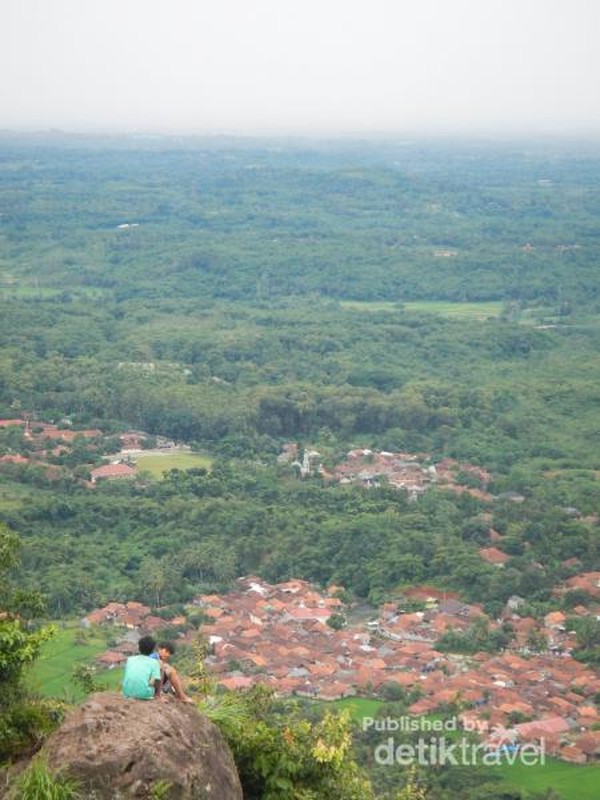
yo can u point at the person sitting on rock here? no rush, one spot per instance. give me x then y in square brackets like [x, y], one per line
[170, 679]
[142, 674]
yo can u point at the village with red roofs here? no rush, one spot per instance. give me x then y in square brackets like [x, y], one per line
[282, 636]
[47, 444]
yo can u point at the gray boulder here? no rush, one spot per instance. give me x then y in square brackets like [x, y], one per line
[122, 748]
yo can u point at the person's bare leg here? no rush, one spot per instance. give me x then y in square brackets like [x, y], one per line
[175, 681]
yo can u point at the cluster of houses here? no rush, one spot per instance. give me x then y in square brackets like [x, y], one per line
[588, 582]
[46, 442]
[518, 695]
[361, 467]
[132, 620]
[288, 636]
[368, 468]
[44, 434]
[398, 470]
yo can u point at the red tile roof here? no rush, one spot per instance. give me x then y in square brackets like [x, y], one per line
[112, 471]
[541, 727]
[493, 556]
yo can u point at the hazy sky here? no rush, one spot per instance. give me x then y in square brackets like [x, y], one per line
[301, 65]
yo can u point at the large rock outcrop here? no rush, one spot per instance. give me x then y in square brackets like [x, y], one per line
[122, 748]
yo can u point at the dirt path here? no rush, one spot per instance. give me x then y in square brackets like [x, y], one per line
[159, 451]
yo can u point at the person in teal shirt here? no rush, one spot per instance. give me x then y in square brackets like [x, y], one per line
[142, 673]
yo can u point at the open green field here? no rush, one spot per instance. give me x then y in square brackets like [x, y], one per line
[573, 782]
[457, 310]
[366, 305]
[28, 291]
[440, 307]
[359, 707]
[48, 293]
[50, 675]
[156, 465]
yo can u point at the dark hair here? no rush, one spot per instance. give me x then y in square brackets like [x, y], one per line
[167, 646]
[146, 645]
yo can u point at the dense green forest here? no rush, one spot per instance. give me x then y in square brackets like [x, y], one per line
[164, 542]
[217, 317]
[235, 220]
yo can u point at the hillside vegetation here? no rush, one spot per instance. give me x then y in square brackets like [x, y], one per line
[221, 317]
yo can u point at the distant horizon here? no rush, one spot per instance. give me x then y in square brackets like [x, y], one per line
[406, 135]
[499, 68]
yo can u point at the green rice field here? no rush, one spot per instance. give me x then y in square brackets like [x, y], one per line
[571, 781]
[359, 707]
[50, 674]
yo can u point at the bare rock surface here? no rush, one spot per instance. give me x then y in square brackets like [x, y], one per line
[123, 748]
